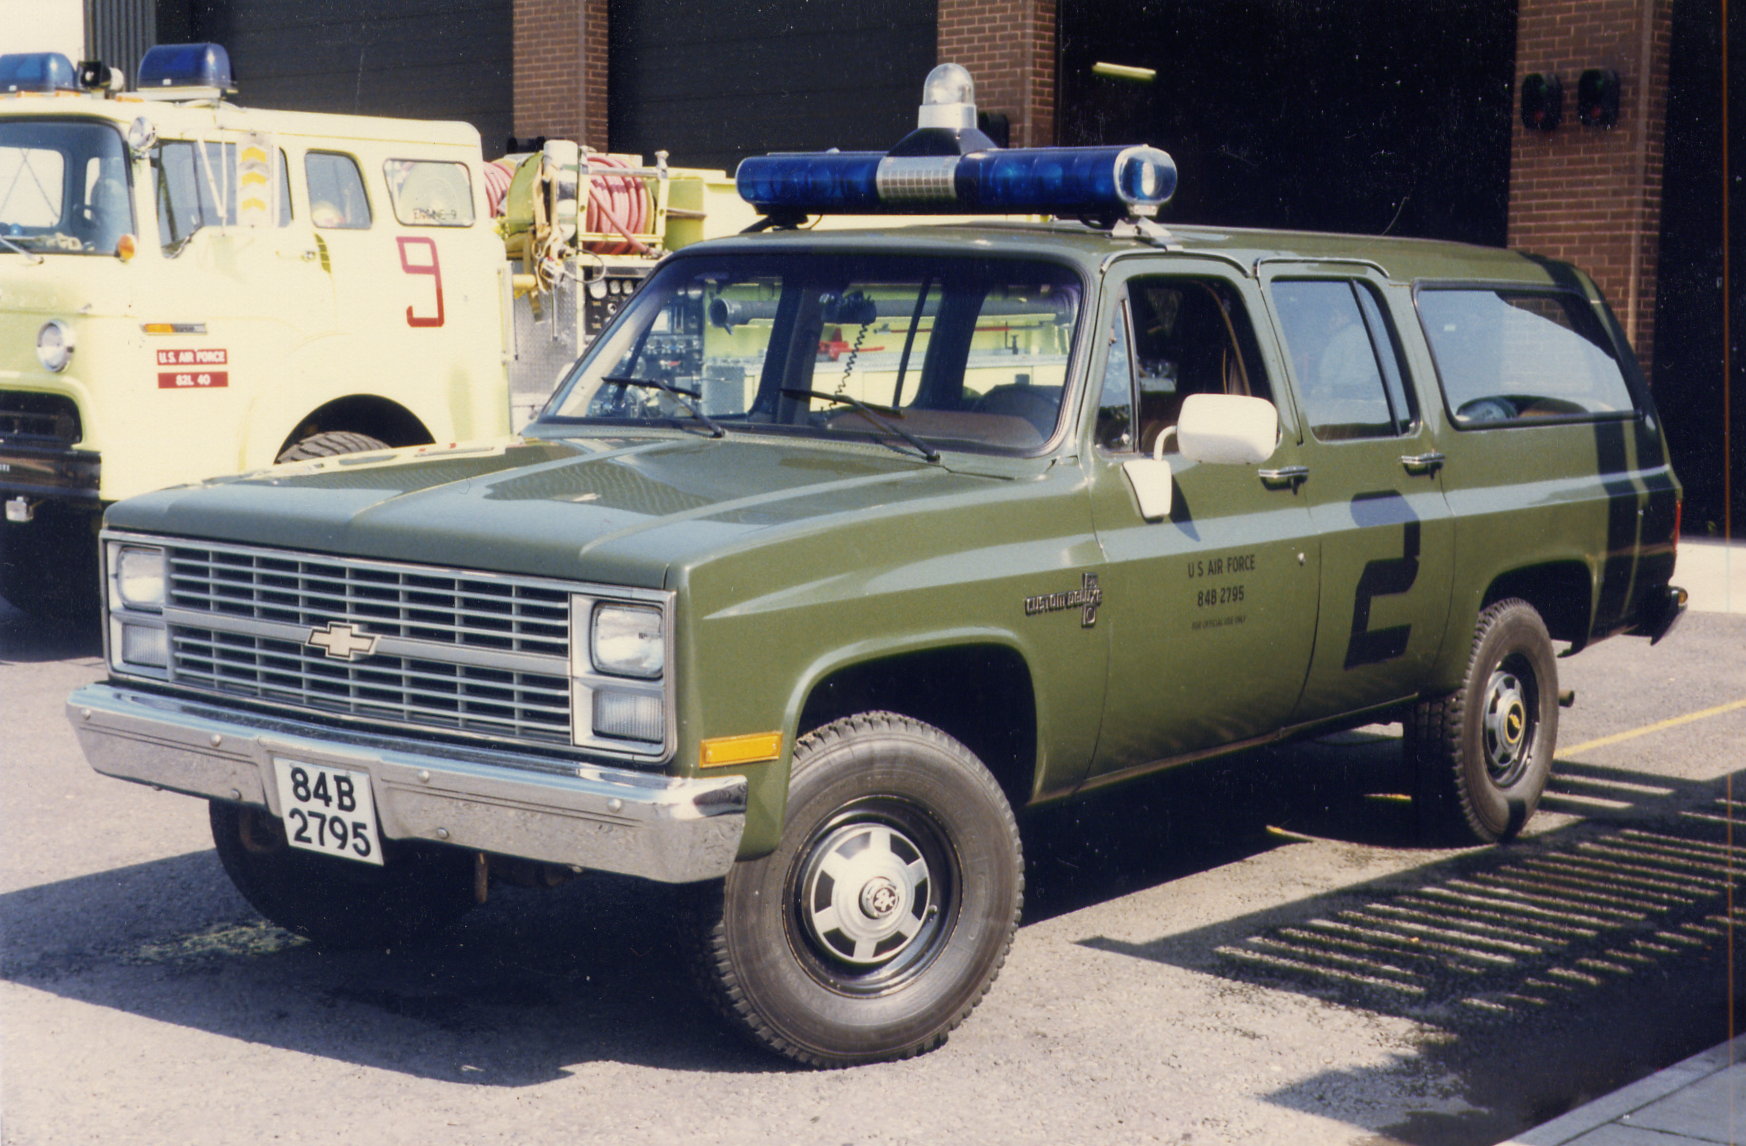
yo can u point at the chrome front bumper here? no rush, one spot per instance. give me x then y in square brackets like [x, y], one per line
[611, 819]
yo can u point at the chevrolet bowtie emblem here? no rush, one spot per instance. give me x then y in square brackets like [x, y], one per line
[342, 642]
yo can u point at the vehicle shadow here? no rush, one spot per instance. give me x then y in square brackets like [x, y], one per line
[535, 982]
[1543, 972]
[1520, 962]
[1201, 816]
[26, 638]
[527, 986]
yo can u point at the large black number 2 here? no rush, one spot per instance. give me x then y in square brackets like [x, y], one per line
[1382, 578]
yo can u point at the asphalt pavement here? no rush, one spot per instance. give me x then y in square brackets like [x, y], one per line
[1701, 1101]
[1185, 974]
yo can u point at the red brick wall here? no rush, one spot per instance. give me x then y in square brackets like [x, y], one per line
[1590, 195]
[561, 70]
[1009, 47]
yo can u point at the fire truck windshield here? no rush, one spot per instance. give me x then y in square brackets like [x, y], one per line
[64, 187]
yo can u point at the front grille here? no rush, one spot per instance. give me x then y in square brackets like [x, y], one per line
[47, 419]
[459, 652]
[450, 608]
[463, 698]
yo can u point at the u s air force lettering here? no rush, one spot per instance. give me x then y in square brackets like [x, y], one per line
[1215, 596]
[1086, 599]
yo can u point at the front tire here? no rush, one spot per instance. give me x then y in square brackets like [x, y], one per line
[421, 889]
[885, 912]
[1482, 754]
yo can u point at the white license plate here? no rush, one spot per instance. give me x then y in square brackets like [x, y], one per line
[328, 810]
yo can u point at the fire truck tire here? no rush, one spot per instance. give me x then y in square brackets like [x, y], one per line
[328, 443]
[419, 891]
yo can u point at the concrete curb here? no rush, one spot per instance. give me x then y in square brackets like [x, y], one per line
[1621, 1104]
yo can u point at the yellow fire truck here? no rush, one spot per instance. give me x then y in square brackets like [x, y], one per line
[189, 287]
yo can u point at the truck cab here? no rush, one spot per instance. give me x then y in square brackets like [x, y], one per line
[189, 287]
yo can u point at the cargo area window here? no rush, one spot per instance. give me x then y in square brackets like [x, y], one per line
[1506, 356]
[427, 193]
[336, 191]
[1170, 338]
[969, 351]
[1345, 358]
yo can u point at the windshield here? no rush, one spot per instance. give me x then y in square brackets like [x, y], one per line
[63, 187]
[960, 352]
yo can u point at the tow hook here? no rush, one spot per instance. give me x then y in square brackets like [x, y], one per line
[20, 510]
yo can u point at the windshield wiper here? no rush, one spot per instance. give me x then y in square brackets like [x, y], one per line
[872, 414]
[26, 252]
[680, 395]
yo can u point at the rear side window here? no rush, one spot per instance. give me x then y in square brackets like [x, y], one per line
[1508, 356]
[1345, 357]
[427, 193]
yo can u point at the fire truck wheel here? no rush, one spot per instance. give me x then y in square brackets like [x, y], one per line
[421, 889]
[328, 443]
[886, 910]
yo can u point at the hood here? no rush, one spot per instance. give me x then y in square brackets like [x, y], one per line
[614, 510]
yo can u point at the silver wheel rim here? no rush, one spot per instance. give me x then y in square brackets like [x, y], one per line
[1508, 727]
[867, 894]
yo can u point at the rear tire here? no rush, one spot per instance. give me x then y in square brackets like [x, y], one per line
[420, 890]
[330, 443]
[885, 912]
[1482, 755]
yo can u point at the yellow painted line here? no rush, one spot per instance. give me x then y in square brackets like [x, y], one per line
[1658, 726]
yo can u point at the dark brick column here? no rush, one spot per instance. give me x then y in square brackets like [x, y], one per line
[561, 70]
[1592, 195]
[1009, 47]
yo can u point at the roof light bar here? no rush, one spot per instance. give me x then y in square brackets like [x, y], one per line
[1067, 181]
[205, 68]
[37, 72]
[948, 165]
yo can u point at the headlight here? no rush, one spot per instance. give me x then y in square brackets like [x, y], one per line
[54, 345]
[628, 641]
[139, 578]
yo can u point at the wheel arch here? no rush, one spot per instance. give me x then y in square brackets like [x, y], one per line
[978, 691]
[1562, 592]
[371, 414]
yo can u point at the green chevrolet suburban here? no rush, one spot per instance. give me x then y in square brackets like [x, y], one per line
[839, 548]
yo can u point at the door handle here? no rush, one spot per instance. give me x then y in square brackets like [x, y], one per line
[1285, 477]
[1427, 463]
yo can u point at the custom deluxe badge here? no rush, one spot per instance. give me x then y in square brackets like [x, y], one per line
[1086, 598]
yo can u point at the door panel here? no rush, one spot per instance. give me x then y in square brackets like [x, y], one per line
[1212, 609]
[1375, 494]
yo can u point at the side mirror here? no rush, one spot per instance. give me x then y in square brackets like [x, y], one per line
[1154, 483]
[142, 137]
[1227, 429]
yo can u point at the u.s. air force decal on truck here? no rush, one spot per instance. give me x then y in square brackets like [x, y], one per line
[1086, 598]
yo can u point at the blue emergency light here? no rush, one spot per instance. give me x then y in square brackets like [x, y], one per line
[200, 66]
[947, 166]
[37, 72]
